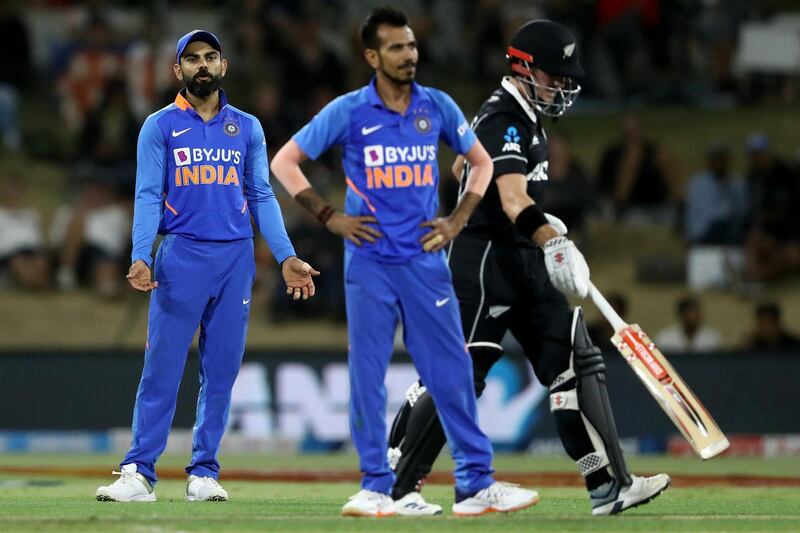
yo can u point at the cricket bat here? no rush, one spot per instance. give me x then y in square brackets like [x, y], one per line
[667, 387]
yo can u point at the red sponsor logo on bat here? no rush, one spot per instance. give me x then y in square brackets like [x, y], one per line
[645, 356]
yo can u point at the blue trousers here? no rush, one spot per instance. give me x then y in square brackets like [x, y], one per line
[199, 283]
[422, 290]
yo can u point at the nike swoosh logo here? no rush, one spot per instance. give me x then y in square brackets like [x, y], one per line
[179, 133]
[366, 131]
[245, 302]
[497, 310]
[440, 303]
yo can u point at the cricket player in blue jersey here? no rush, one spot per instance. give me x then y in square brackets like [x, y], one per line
[202, 170]
[395, 268]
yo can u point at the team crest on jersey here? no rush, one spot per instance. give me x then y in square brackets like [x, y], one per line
[422, 124]
[231, 129]
[512, 140]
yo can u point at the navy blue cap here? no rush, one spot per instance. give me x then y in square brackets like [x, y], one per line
[196, 35]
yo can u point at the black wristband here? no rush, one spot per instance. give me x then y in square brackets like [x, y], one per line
[325, 214]
[529, 220]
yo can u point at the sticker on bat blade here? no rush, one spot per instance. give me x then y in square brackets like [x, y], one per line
[644, 355]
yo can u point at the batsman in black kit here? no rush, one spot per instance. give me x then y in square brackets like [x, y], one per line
[511, 267]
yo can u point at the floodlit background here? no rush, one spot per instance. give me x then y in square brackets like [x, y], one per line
[681, 98]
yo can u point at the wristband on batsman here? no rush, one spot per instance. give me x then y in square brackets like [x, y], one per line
[529, 220]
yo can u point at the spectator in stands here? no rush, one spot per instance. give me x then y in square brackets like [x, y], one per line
[92, 237]
[711, 41]
[149, 79]
[14, 74]
[689, 334]
[23, 259]
[716, 202]
[638, 176]
[109, 135]
[570, 192]
[768, 332]
[773, 244]
[600, 330]
[93, 61]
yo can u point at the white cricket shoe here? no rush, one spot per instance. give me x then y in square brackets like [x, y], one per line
[610, 498]
[498, 497]
[369, 503]
[413, 504]
[204, 489]
[130, 487]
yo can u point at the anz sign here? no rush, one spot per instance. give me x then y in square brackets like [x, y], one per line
[307, 403]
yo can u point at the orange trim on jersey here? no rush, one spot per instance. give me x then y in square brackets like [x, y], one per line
[166, 204]
[359, 193]
[182, 102]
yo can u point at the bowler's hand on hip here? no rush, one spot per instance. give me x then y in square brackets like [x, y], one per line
[566, 267]
[140, 277]
[298, 277]
[445, 229]
[354, 229]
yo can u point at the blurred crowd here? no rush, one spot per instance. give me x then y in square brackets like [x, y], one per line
[691, 334]
[90, 72]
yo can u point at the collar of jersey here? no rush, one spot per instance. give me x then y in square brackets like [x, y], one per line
[513, 91]
[417, 95]
[183, 103]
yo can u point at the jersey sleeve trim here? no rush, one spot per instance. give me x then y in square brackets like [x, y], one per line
[502, 157]
[505, 136]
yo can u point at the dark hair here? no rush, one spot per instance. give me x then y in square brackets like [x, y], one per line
[380, 15]
[769, 310]
[686, 303]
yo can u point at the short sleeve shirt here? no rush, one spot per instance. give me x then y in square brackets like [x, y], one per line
[511, 132]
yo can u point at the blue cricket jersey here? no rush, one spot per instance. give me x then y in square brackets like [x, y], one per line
[390, 160]
[202, 180]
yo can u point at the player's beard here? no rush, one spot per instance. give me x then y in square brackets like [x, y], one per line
[202, 89]
[396, 79]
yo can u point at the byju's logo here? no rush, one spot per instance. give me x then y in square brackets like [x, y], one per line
[182, 156]
[373, 155]
[512, 140]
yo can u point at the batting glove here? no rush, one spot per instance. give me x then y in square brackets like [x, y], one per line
[557, 223]
[566, 267]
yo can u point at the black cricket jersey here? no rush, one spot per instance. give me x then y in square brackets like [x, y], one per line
[512, 133]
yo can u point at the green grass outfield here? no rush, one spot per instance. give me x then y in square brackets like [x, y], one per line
[48, 502]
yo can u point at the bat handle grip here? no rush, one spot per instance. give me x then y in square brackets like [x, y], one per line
[605, 308]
